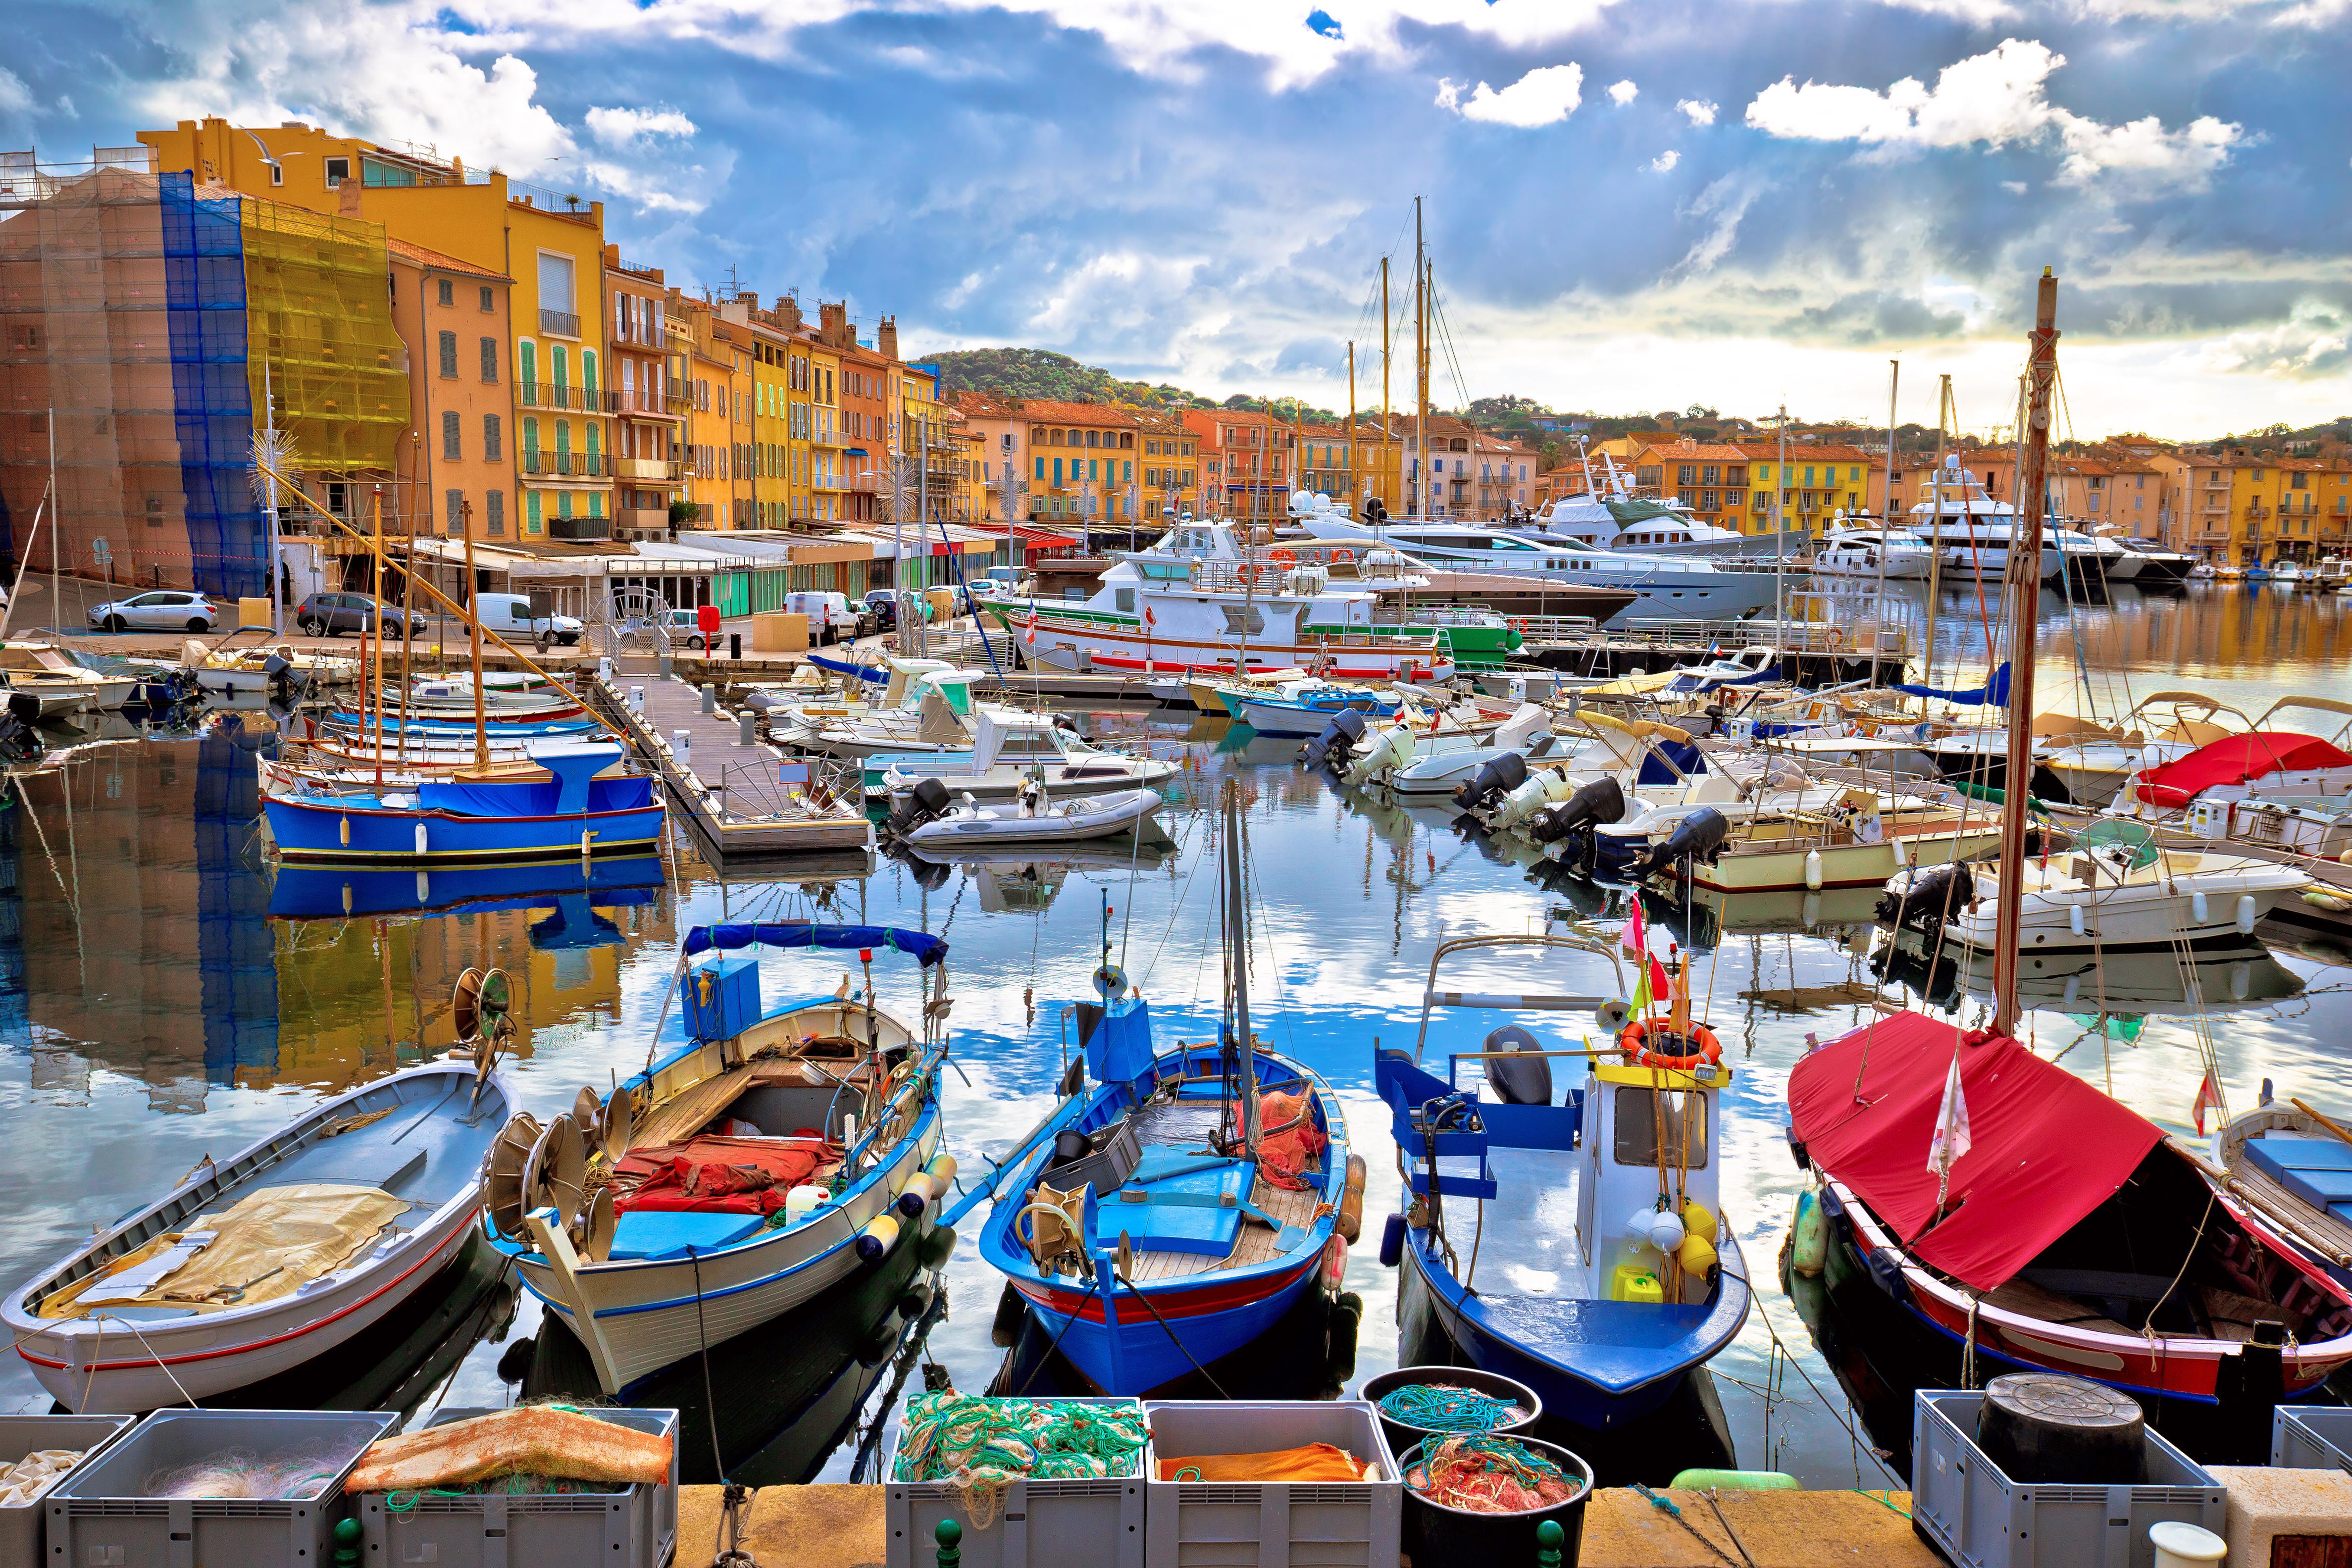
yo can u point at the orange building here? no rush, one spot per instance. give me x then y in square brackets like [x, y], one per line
[1244, 463]
[648, 406]
[1708, 478]
[453, 317]
[1082, 466]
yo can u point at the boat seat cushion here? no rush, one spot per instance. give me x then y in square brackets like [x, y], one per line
[668, 1233]
[1178, 1201]
[2318, 1170]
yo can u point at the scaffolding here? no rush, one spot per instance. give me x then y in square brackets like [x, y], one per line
[141, 317]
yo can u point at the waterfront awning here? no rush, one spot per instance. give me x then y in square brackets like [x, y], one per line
[2235, 760]
[2045, 1148]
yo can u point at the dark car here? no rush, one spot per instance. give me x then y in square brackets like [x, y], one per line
[883, 609]
[331, 614]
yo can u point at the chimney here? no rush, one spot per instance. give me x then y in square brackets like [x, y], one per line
[886, 337]
[834, 324]
[788, 312]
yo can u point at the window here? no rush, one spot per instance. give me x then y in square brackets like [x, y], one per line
[528, 360]
[1643, 1113]
[489, 302]
[454, 500]
[449, 356]
[491, 452]
[278, 173]
[337, 170]
[555, 284]
[497, 513]
[1687, 473]
[489, 361]
[446, 293]
[451, 449]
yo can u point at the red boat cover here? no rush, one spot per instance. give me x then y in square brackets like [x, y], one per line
[2233, 760]
[2045, 1149]
[715, 1174]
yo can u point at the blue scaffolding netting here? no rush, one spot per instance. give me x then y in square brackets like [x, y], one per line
[203, 270]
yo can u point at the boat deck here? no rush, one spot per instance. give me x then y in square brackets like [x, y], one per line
[1191, 1123]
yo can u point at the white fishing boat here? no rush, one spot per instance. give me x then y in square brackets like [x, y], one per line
[1872, 554]
[270, 1258]
[2113, 889]
[1013, 751]
[258, 669]
[938, 824]
[769, 1156]
[60, 683]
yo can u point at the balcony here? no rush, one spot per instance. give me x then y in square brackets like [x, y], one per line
[2257, 514]
[642, 519]
[565, 399]
[565, 465]
[558, 323]
[651, 470]
[577, 528]
[641, 402]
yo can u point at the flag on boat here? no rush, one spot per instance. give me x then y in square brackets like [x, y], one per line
[1633, 938]
[1951, 1142]
[2208, 1098]
[1148, 618]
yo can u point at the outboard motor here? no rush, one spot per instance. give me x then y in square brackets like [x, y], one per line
[1697, 837]
[1495, 780]
[1925, 899]
[1541, 790]
[929, 876]
[1601, 800]
[928, 801]
[1518, 1082]
[20, 741]
[1336, 743]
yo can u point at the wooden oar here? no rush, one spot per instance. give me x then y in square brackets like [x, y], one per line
[2321, 1120]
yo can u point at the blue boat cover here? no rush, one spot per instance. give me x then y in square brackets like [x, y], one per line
[533, 798]
[1179, 1200]
[2317, 1170]
[922, 945]
[1685, 755]
[1994, 691]
[843, 667]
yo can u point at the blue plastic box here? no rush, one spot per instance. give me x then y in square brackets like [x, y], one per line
[723, 996]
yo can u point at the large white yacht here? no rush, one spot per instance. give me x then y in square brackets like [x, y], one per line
[1609, 516]
[1970, 531]
[1856, 548]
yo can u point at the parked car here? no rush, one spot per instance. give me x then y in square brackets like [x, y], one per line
[510, 615]
[332, 614]
[830, 616]
[162, 609]
[882, 607]
[686, 630]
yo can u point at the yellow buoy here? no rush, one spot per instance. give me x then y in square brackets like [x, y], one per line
[1699, 1220]
[879, 1235]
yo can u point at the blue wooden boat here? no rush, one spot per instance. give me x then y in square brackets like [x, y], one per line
[1596, 1316]
[336, 892]
[558, 807]
[828, 1084]
[395, 726]
[1304, 710]
[1152, 1223]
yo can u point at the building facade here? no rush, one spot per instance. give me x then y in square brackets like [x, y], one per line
[453, 317]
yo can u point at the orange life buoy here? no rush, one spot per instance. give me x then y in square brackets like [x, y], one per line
[1283, 557]
[1634, 1043]
[1340, 555]
[1837, 639]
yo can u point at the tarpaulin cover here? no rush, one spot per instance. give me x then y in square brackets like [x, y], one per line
[1994, 691]
[716, 1174]
[2046, 1147]
[2234, 759]
[267, 1245]
[534, 796]
[922, 945]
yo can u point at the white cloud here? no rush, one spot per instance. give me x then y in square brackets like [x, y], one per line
[1701, 110]
[1543, 95]
[621, 127]
[16, 98]
[2316, 340]
[1997, 99]
[1664, 161]
[1624, 93]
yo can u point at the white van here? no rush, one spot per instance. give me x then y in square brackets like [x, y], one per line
[510, 615]
[830, 615]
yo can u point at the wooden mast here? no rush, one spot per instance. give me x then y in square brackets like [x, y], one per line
[1353, 501]
[2025, 560]
[1238, 954]
[1388, 416]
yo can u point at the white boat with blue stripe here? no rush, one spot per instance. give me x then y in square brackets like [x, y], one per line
[768, 1158]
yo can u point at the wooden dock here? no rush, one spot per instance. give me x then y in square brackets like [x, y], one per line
[744, 800]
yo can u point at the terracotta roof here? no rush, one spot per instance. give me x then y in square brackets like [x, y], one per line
[420, 257]
[1689, 450]
[1805, 452]
[1043, 409]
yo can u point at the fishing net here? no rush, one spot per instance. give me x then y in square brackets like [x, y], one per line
[981, 1446]
[28, 1477]
[303, 1471]
[1447, 1407]
[1287, 1150]
[1481, 1474]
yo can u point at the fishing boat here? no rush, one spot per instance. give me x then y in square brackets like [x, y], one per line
[2288, 1168]
[1178, 1202]
[766, 1158]
[1302, 708]
[269, 1259]
[569, 801]
[2067, 1235]
[1607, 1316]
[61, 683]
[924, 707]
[1013, 751]
[258, 669]
[574, 890]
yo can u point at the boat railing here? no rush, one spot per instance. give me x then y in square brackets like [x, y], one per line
[796, 790]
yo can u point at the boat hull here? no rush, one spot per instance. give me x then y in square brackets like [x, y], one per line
[1272, 718]
[324, 832]
[1211, 1321]
[1842, 866]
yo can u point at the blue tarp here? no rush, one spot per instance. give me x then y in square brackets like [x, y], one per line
[1685, 755]
[843, 667]
[534, 797]
[924, 947]
[212, 399]
[1995, 692]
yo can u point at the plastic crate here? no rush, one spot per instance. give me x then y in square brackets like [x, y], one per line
[2307, 1437]
[97, 1516]
[1270, 1524]
[20, 1523]
[635, 1527]
[1978, 1518]
[1038, 1524]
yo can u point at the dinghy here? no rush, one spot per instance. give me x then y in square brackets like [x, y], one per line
[1012, 751]
[930, 821]
[266, 1260]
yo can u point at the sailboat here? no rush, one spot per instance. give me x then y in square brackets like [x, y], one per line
[2014, 1218]
[1178, 1202]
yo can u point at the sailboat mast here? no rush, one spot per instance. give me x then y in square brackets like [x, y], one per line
[1353, 460]
[1388, 416]
[2042, 370]
[1420, 364]
[375, 588]
[1237, 935]
[1935, 540]
[474, 635]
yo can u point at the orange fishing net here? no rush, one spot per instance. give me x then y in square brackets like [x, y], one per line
[1288, 1140]
[1315, 1462]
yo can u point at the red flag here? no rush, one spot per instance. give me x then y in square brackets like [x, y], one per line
[2208, 1096]
[1148, 618]
[1633, 938]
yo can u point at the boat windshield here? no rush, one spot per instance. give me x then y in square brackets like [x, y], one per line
[1647, 1116]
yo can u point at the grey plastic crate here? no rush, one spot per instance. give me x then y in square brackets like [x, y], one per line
[1269, 1525]
[97, 1514]
[635, 1527]
[1978, 1518]
[2310, 1438]
[1039, 1524]
[20, 1523]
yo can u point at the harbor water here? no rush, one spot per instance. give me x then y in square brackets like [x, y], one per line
[166, 997]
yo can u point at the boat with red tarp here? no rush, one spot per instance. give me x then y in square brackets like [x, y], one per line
[2072, 1236]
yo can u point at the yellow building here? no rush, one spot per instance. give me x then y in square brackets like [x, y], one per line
[2240, 508]
[550, 246]
[1170, 465]
[1819, 480]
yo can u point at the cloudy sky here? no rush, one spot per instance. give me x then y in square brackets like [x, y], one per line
[1630, 206]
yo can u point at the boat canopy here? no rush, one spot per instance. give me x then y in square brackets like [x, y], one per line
[922, 945]
[2046, 1148]
[1994, 691]
[2236, 760]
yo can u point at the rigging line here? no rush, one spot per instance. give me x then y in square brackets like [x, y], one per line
[1791, 1357]
[1177, 908]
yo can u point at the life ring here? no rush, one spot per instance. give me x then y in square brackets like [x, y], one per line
[1284, 559]
[1340, 555]
[1634, 1043]
[1837, 639]
[1520, 626]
